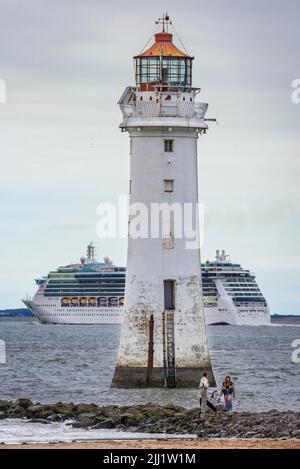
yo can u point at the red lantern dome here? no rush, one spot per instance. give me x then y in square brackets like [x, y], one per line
[163, 46]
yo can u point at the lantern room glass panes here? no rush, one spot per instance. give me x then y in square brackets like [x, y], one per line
[147, 70]
[171, 70]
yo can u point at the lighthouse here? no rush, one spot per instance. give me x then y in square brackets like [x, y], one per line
[163, 339]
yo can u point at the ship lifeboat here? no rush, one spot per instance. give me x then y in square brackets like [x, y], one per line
[83, 301]
[65, 301]
[74, 301]
[121, 301]
[92, 301]
[113, 301]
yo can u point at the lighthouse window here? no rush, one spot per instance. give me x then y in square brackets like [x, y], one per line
[168, 146]
[165, 75]
[148, 70]
[177, 71]
[169, 185]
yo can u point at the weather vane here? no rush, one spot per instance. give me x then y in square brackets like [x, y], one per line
[165, 21]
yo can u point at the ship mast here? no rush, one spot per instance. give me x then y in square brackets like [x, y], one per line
[90, 253]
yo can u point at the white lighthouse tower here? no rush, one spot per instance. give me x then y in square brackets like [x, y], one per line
[163, 337]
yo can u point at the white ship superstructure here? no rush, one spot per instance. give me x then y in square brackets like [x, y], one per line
[89, 292]
[231, 294]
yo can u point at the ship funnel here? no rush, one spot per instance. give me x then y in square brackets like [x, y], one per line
[217, 254]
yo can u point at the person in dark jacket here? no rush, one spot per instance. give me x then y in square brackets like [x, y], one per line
[228, 391]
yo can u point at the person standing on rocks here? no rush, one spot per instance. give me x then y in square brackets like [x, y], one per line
[203, 387]
[228, 391]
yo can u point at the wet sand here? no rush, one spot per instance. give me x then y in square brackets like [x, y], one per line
[164, 444]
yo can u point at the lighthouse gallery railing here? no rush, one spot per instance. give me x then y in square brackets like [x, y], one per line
[165, 109]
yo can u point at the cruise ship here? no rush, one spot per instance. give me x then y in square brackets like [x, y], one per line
[231, 294]
[92, 292]
[89, 292]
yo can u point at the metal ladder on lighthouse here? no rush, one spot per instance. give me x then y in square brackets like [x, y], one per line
[169, 348]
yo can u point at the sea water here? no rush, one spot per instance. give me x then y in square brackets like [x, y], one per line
[51, 363]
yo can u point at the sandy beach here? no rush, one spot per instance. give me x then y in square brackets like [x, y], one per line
[165, 444]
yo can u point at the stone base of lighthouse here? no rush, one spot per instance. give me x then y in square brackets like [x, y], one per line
[163, 347]
[137, 377]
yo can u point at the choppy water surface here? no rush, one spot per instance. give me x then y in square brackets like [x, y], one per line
[50, 363]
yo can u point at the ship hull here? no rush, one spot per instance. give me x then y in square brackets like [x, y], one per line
[52, 314]
[237, 317]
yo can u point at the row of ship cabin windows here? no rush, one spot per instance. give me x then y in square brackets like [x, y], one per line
[86, 284]
[247, 294]
[86, 314]
[240, 283]
[81, 289]
[84, 302]
[94, 313]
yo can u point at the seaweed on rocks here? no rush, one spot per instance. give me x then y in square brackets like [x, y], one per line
[151, 418]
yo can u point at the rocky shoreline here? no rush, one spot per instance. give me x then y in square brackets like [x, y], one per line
[152, 418]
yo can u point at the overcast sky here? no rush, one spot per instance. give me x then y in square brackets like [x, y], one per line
[65, 64]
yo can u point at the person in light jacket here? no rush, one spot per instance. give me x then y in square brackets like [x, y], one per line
[203, 387]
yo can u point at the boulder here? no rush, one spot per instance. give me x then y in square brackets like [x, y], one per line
[56, 418]
[128, 420]
[33, 409]
[105, 423]
[43, 414]
[4, 405]
[68, 410]
[16, 411]
[25, 403]
[85, 408]
[157, 412]
[83, 422]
